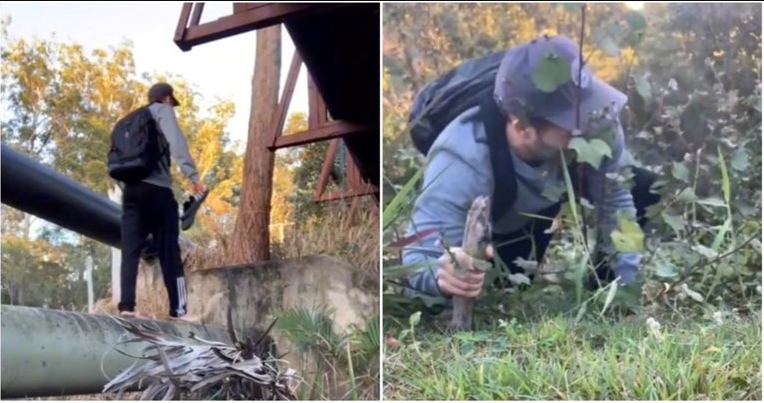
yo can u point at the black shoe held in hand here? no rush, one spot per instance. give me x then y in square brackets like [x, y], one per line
[190, 207]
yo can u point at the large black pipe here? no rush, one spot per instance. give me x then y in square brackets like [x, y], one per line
[57, 353]
[29, 186]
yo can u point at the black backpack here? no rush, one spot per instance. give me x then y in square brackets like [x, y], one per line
[137, 146]
[443, 99]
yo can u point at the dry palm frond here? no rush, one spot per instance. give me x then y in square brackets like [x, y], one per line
[191, 368]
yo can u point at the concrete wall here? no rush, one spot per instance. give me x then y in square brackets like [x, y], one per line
[258, 292]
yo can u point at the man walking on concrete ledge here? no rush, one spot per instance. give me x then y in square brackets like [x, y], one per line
[142, 144]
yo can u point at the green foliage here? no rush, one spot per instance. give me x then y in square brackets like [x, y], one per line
[312, 332]
[554, 358]
[551, 73]
[591, 151]
[629, 236]
[687, 118]
[692, 73]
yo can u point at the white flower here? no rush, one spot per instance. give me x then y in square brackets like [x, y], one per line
[655, 328]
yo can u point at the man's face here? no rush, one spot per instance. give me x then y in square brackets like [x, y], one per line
[167, 99]
[542, 143]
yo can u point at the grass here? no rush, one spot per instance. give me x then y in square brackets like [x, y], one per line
[557, 358]
[346, 233]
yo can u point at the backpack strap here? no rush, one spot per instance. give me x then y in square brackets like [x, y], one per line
[505, 184]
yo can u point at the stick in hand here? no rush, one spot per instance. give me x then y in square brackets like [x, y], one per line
[477, 237]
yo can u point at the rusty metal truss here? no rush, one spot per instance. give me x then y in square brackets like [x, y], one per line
[247, 17]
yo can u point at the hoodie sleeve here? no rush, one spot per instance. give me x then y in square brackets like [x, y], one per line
[612, 198]
[168, 124]
[450, 185]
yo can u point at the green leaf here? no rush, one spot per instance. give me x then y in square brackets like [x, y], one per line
[605, 39]
[725, 176]
[680, 171]
[740, 160]
[554, 192]
[705, 251]
[629, 236]
[712, 202]
[643, 87]
[551, 72]
[519, 279]
[719, 238]
[610, 296]
[676, 222]
[636, 20]
[396, 205]
[591, 151]
[692, 294]
[608, 135]
[585, 203]
[601, 147]
[415, 318]
[666, 270]
[687, 195]
[581, 312]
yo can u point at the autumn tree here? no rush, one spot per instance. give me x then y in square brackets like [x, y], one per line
[62, 102]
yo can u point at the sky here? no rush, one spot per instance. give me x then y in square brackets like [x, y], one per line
[217, 70]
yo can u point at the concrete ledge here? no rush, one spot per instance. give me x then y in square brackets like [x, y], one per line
[258, 292]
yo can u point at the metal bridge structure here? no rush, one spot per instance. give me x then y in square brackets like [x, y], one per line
[339, 45]
[54, 353]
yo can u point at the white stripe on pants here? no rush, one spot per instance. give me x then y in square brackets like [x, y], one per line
[181, 285]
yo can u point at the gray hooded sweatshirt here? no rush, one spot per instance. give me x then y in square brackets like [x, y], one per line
[168, 124]
[459, 170]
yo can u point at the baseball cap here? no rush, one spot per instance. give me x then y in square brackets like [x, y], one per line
[517, 94]
[161, 90]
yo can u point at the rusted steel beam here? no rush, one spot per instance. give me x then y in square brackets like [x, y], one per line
[350, 193]
[242, 7]
[327, 131]
[353, 179]
[326, 169]
[249, 20]
[316, 118]
[316, 105]
[286, 96]
[196, 14]
[180, 30]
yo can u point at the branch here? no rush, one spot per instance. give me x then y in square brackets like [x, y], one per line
[706, 262]
[580, 65]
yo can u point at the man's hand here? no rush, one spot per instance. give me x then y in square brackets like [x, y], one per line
[452, 283]
[198, 187]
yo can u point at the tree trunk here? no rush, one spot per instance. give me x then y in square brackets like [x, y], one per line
[251, 240]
